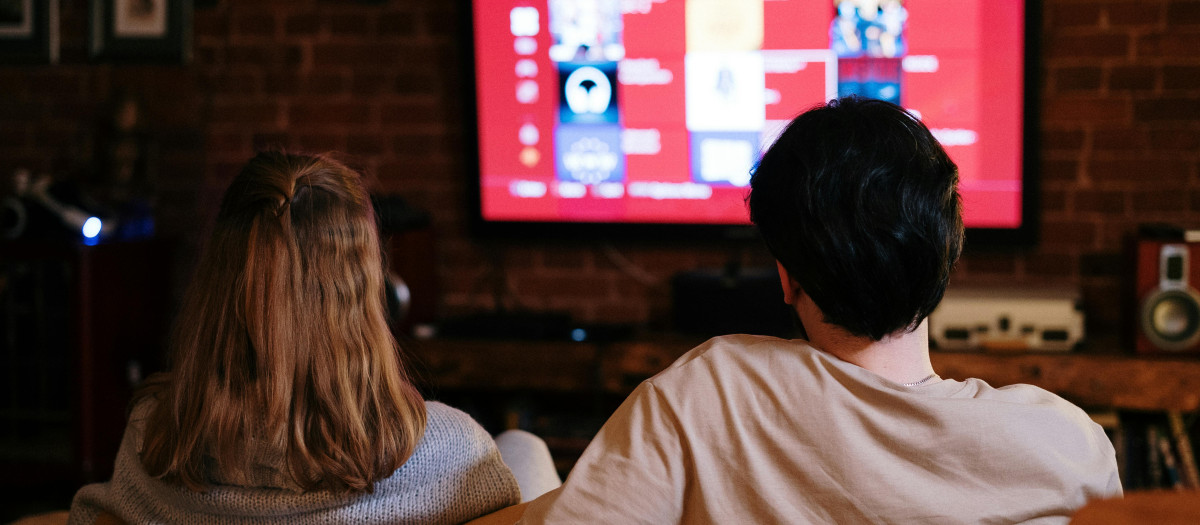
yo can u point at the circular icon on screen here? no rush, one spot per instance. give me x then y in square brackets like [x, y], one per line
[588, 91]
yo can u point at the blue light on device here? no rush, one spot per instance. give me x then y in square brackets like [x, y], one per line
[91, 231]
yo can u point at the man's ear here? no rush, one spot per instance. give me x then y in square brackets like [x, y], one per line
[791, 288]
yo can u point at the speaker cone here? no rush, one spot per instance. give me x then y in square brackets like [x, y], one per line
[1171, 319]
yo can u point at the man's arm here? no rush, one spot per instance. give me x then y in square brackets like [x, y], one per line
[633, 471]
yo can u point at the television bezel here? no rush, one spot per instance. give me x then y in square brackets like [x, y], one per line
[1024, 236]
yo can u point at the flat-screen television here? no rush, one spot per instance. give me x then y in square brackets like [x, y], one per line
[635, 117]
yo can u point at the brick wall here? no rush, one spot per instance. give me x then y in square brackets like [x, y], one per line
[379, 81]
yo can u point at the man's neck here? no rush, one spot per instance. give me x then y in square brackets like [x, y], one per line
[902, 357]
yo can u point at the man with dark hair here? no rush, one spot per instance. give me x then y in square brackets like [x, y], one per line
[858, 203]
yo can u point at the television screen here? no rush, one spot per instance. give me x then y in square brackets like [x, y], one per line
[653, 112]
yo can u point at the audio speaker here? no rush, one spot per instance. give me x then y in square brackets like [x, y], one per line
[1168, 311]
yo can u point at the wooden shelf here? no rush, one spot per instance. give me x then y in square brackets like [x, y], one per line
[1095, 377]
[1089, 380]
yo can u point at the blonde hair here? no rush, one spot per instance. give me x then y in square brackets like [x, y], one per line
[283, 340]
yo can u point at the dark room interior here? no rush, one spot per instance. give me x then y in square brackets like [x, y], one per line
[543, 332]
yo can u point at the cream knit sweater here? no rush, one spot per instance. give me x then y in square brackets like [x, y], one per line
[454, 475]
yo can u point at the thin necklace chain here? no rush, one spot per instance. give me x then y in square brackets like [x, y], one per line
[921, 382]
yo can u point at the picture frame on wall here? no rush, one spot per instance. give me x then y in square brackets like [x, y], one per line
[28, 31]
[141, 30]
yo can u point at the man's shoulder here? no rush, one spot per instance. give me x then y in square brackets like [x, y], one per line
[1016, 394]
[728, 348]
[741, 346]
[738, 357]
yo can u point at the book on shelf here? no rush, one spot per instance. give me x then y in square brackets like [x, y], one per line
[1154, 450]
[1187, 455]
[1170, 464]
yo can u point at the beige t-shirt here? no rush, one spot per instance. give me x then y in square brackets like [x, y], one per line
[749, 429]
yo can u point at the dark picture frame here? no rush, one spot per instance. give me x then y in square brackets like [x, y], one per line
[140, 30]
[28, 31]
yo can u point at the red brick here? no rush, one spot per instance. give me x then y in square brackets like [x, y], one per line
[620, 312]
[1099, 201]
[1163, 109]
[398, 24]
[357, 24]
[537, 284]
[226, 141]
[1159, 201]
[256, 24]
[365, 144]
[210, 24]
[1075, 47]
[207, 55]
[356, 55]
[1050, 264]
[444, 21]
[1102, 265]
[1169, 45]
[1086, 109]
[1073, 15]
[302, 24]
[1181, 77]
[270, 141]
[1076, 78]
[317, 113]
[290, 83]
[414, 111]
[1104, 312]
[259, 113]
[1053, 200]
[1061, 139]
[422, 170]
[988, 263]
[1183, 13]
[230, 83]
[56, 82]
[1184, 137]
[1139, 13]
[428, 143]
[267, 55]
[1060, 169]
[371, 83]
[1068, 233]
[1156, 171]
[320, 142]
[1119, 139]
[568, 258]
[1133, 78]
[417, 82]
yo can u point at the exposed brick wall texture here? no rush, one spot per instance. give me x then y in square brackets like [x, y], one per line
[380, 82]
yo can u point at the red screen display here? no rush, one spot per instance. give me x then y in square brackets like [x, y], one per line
[655, 111]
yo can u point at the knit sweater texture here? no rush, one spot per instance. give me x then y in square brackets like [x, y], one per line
[453, 476]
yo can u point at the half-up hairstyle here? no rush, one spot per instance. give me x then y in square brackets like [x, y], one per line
[282, 343]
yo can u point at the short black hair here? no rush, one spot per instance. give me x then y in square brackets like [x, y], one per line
[859, 202]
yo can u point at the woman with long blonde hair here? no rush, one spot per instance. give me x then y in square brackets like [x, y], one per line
[287, 400]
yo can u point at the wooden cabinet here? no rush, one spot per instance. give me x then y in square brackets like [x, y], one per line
[1098, 376]
[79, 325]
